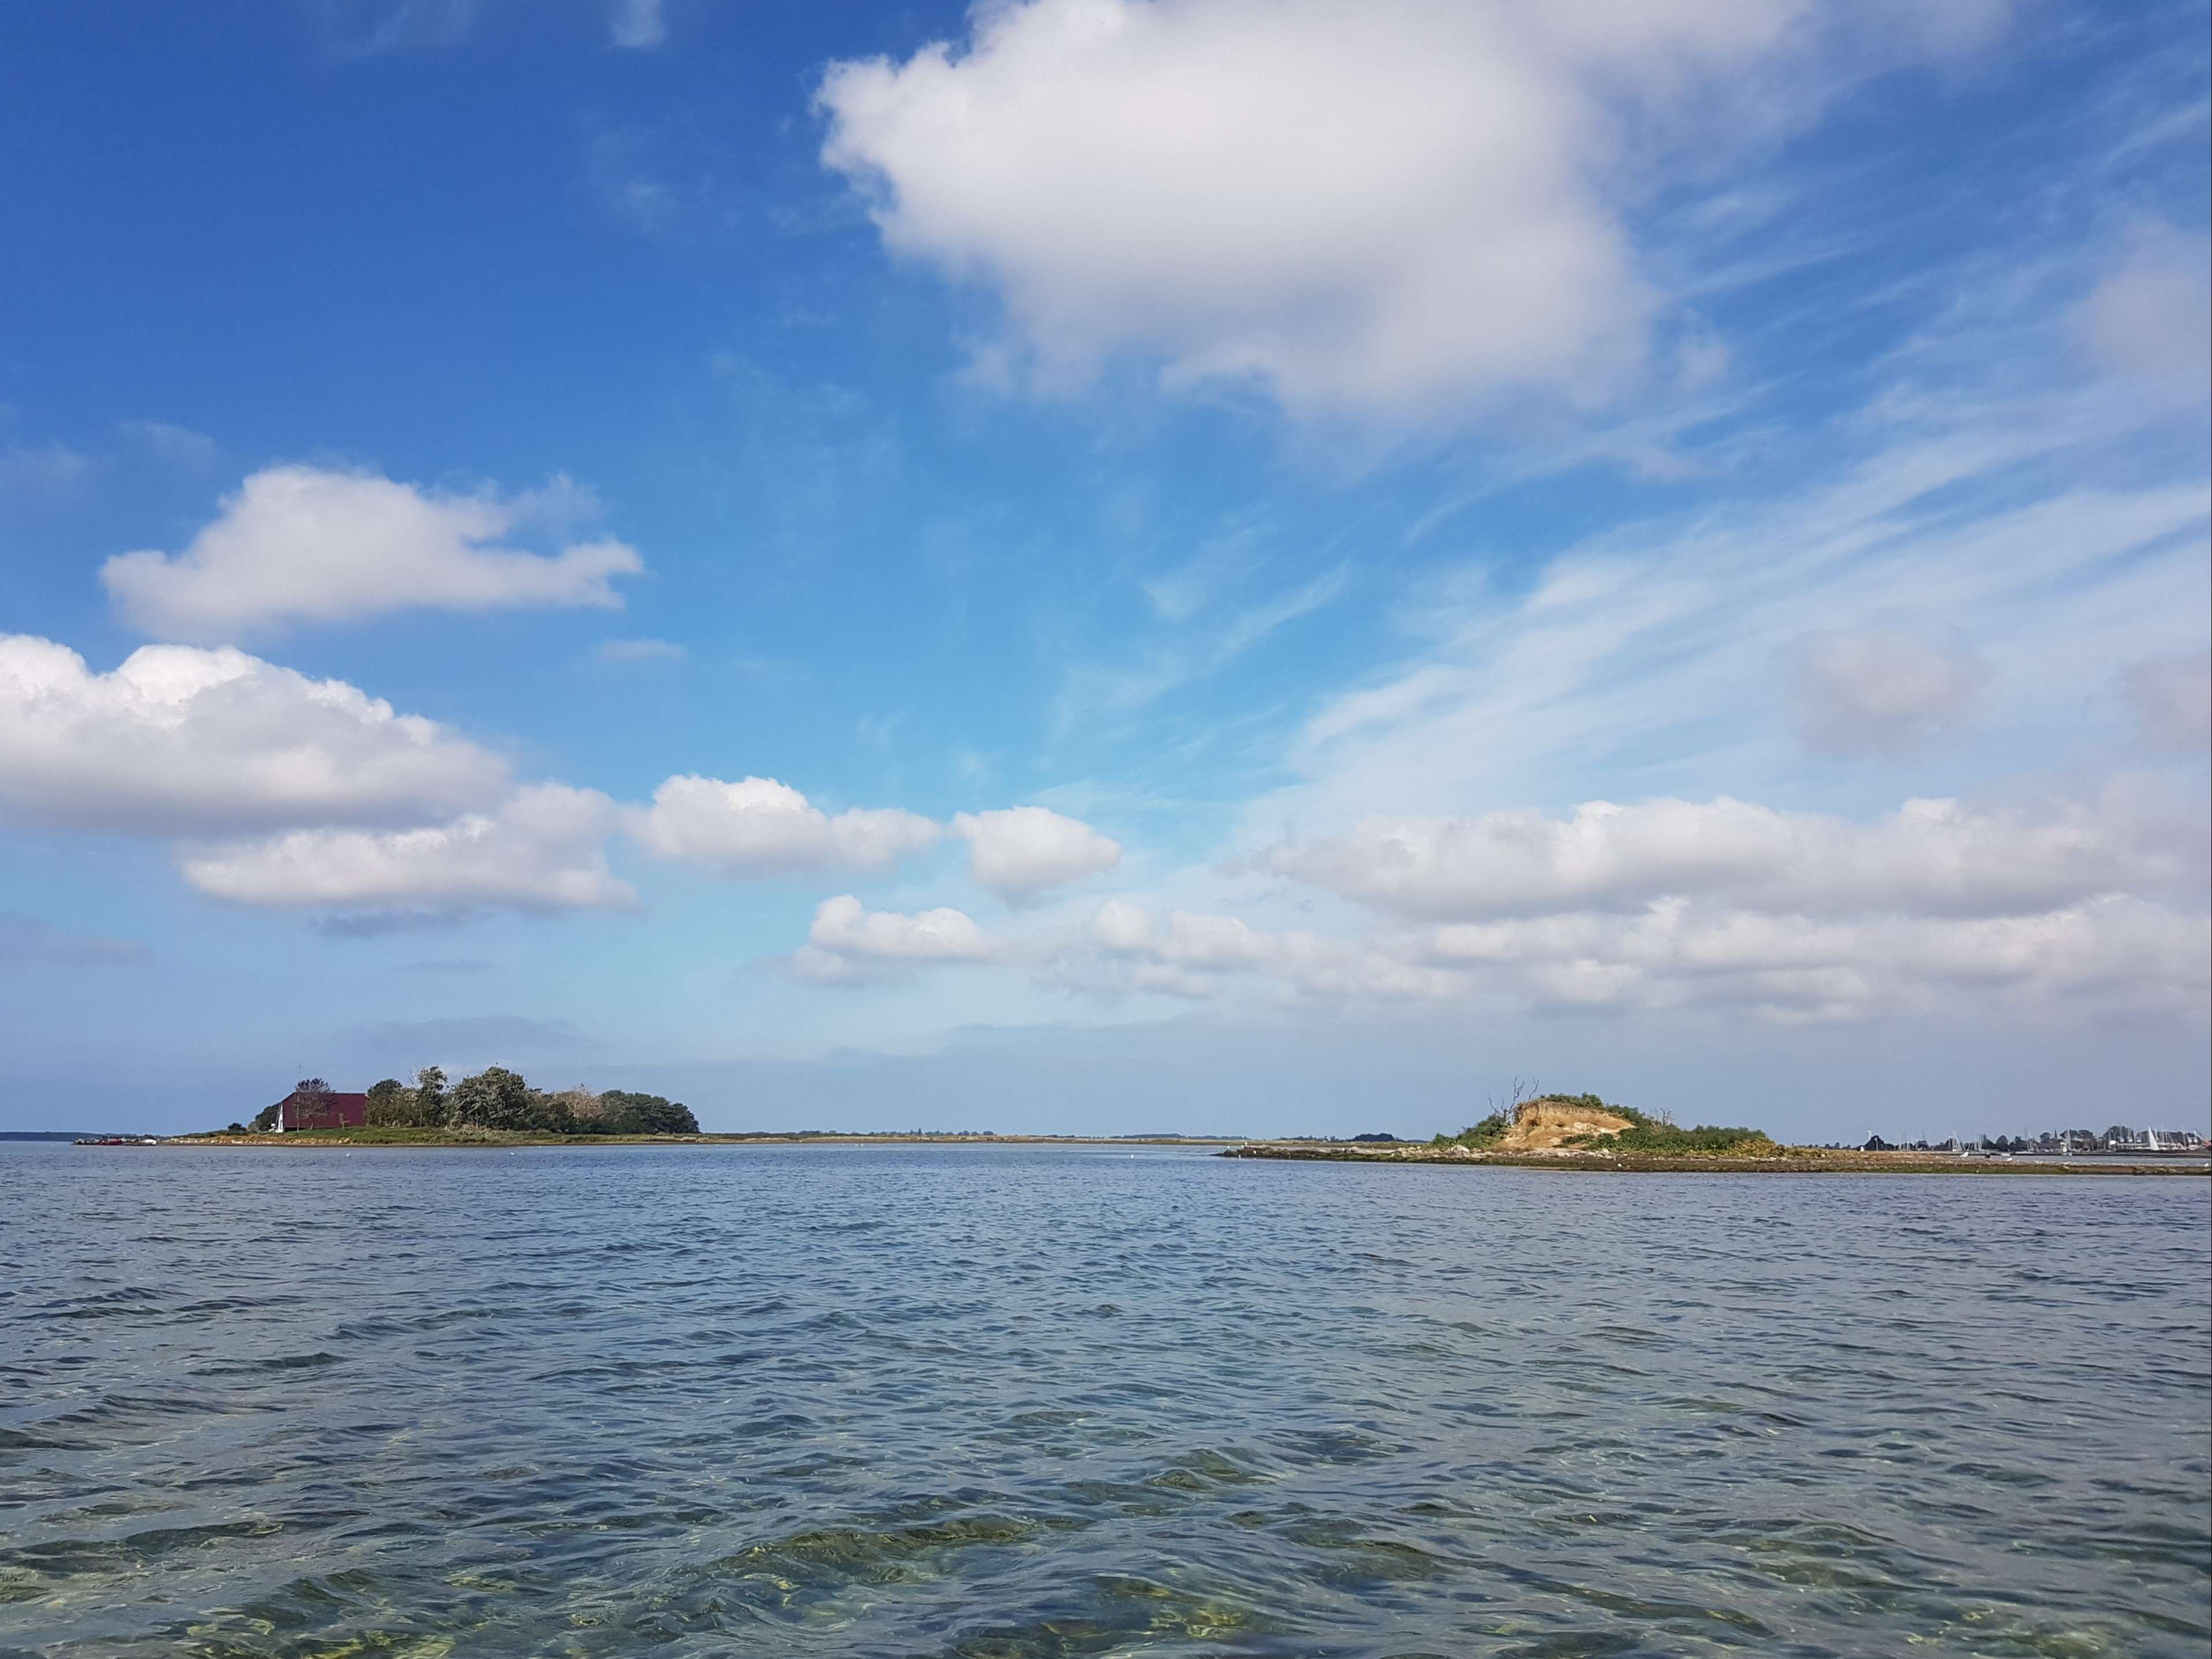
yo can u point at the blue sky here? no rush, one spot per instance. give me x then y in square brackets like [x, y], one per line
[1117, 565]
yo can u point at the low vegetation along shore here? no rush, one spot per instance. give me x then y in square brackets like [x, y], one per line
[497, 1107]
[367, 1136]
[1582, 1132]
[494, 1106]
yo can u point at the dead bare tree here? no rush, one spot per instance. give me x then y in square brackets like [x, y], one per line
[1524, 1094]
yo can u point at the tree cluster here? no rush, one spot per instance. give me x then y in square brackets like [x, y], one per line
[497, 1098]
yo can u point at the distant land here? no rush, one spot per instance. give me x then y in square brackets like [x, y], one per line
[373, 1134]
[1583, 1132]
[497, 1108]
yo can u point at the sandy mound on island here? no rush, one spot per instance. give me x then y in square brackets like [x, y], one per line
[1548, 1125]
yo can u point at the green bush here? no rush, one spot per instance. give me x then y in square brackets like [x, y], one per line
[1488, 1133]
[390, 1101]
[1665, 1138]
[632, 1113]
[493, 1098]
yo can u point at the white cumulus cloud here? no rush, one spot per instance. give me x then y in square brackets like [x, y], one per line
[2109, 954]
[759, 826]
[850, 944]
[2086, 909]
[1929, 857]
[2114, 953]
[299, 543]
[1017, 853]
[179, 740]
[1399, 204]
[543, 850]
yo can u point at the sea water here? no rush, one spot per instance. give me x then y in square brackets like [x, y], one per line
[1000, 1402]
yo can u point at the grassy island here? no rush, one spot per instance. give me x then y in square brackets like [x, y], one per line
[494, 1106]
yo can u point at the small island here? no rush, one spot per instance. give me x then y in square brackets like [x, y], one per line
[1585, 1132]
[494, 1106]
[498, 1107]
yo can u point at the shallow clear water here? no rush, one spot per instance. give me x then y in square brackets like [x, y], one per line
[999, 1402]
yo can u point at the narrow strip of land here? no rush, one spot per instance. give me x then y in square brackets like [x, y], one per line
[1788, 1160]
[386, 1136]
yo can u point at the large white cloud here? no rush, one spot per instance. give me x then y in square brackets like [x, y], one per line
[1929, 857]
[1020, 852]
[758, 827]
[298, 544]
[849, 944]
[2110, 955]
[1399, 203]
[2086, 909]
[543, 850]
[179, 740]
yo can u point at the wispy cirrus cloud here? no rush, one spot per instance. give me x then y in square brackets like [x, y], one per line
[369, 28]
[28, 943]
[178, 447]
[637, 25]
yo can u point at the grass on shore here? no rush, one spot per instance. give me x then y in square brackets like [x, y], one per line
[1665, 1139]
[402, 1135]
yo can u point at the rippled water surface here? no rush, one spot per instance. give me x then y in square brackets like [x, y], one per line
[1004, 1402]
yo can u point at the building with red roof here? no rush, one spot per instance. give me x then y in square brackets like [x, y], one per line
[304, 1108]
